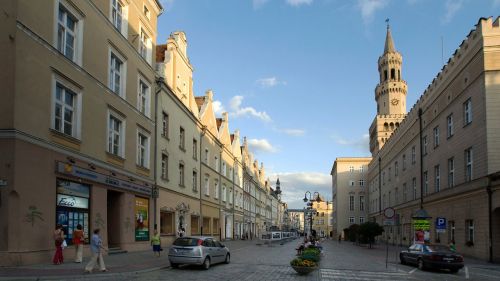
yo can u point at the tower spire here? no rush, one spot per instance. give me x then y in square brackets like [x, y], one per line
[389, 44]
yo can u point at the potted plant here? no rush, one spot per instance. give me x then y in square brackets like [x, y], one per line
[302, 266]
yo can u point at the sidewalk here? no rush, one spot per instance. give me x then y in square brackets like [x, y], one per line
[117, 265]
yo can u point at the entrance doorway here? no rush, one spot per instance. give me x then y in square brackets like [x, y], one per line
[496, 232]
[114, 199]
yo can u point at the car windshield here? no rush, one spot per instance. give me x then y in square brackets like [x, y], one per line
[186, 241]
[437, 248]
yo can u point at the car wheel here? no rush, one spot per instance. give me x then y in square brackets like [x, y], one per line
[228, 259]
[402, 259]
[421, 264]
[206, 263]
[174, 265]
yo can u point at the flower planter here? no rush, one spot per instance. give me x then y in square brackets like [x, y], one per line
[303, 270]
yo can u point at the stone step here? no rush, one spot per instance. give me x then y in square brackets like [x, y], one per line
[116, 250]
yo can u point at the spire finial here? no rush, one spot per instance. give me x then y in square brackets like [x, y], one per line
[389, 44]
[387, 22]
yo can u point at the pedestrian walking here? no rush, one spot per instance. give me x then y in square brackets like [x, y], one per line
[78, 240]
[340, 238]
[453, 247]
[58, 241]
[96, 249]
[156, 243]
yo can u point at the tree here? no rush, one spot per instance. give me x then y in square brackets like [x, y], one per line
[368, 231]
[353, 232]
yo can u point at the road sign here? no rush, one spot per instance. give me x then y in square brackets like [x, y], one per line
[389, 221]
[421, 224]
[389, 213]
[440, 225]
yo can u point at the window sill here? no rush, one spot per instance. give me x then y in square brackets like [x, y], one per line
[465, 125]
[164, 179]
[115, 159]
[182, 149]
[181, 185]
[142, 170]
[65, 140]
[165, 137]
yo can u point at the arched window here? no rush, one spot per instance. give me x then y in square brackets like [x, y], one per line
[386, 126]
[393, 74]
[385, 75]
[399, 74]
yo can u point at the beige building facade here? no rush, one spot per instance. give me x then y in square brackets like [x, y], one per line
[76, 125]
[443, 156]
[349, 193]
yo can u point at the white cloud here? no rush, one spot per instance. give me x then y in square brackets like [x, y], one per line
[218, 108]
[258, 3]
[369, 7]
[295, 184]
[269, 82]
[294, 132]
[238, 111]
[362, 144]
[260, 145]
[451, 7]
[296, 3]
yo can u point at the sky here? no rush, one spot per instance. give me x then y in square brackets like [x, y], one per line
[297, 77]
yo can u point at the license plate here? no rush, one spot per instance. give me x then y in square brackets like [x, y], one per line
[448, 259]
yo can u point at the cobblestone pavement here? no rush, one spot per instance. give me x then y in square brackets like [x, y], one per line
[251, 260]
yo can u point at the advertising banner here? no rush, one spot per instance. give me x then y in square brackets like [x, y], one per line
[141, 219]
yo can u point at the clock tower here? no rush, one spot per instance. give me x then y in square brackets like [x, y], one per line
[390, 95]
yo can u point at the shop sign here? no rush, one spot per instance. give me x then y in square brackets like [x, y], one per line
[73, 188]
[64, 200]
[76, 171]
[421, 225]
[141, 219]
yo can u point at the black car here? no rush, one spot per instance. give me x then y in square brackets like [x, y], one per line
[432, 256]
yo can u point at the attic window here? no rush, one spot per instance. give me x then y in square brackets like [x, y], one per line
[146, 12]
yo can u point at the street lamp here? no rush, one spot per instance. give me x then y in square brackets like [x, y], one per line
[311, 199]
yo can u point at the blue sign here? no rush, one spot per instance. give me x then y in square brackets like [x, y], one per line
[440, 224]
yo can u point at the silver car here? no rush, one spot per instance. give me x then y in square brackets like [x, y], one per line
[199, 250]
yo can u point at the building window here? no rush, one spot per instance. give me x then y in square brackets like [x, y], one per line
[404, 193]
[351, 202]
[223, 168]
[195, 181]
[361, 203]
[167, 223]
[451, 172]
[224, 192]
[66, 111]
[469, 228]
[145, 46]
[182, 138]
[437, 178]
[216, 189]
[216, 163]
[449, 126]
[146, 12]
[143, 97]
[396, 169]
[117, 74]
[361, 220]
[389, 174]
[396, 196]
[414, 184]
[207, 185]
[351, 169]
[468, 164]
[195, 149]
[142, 150]
[424, 143]
[451, 231]
[351, 183]
[164, 166]
[119, 16]
[361, 169]
[361, 182]
[352, 220]
[230, 196]
[404, 162]
[413, 155]
[165, 125]
[436, 137]
[207, 156]
[67, 24]
[426, 183]
[467, 112]
[181, 174]
[116, 128]
[383, 178]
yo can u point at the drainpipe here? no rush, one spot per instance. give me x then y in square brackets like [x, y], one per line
[379, 186]
[155, 194]
[202, 133]
[490, 221]
[421, 159]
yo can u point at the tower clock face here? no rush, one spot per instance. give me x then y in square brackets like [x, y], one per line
[394, 101]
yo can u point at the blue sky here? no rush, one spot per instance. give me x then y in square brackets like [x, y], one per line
[298, 76]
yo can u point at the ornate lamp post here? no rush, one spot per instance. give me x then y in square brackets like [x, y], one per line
[311, 199]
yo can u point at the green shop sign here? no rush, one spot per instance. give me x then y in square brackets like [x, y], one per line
[421, 225]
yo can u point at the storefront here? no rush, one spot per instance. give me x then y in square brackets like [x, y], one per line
[72, 207]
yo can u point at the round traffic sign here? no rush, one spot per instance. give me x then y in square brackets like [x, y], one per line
[389, 213]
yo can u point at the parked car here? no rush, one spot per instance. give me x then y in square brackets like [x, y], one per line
[199, 250]
[432, 256]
